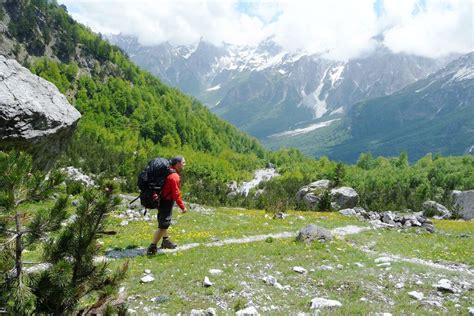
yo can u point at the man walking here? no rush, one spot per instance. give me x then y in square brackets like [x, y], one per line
[170, 194]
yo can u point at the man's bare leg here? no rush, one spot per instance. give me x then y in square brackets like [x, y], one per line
[160, 232]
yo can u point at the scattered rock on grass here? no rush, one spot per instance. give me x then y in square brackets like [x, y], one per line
[319, 302]
[207, 282]
[147, 279]
[215, 271]
[160, 299]
[300, 270]
[445, 285]
[416, 295]
[471, 311]
[280, 215]
[271, 280]
[432, 303]
[200, 312]
[249, 311]
[383, 260]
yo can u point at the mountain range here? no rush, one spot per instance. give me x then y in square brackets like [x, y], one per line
[310, 102]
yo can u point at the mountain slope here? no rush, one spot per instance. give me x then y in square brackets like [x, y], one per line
[432, 115]
[264, 90]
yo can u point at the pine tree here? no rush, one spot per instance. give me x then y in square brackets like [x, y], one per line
[68, 272]
[18, 184]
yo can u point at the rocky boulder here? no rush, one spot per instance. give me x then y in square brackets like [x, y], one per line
[344, 197]
[431, 208]
[34, 115]
[313, 232]
[464, 201]
[312, 187]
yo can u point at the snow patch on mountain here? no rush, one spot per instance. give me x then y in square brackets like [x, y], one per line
[186, 51]
[304, 130]
[214, 88]
[314, 100]
[336, 74]
[429, 84]
[339, 110]
[464, 73]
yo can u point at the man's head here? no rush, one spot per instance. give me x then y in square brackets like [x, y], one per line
[178, 163]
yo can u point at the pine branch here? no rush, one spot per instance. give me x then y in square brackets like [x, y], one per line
[3, 245]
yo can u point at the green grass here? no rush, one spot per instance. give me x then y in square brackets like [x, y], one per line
[179, 277]
[222, 224]
[452, 242]
[361, 290]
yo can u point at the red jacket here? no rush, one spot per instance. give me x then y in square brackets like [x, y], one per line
[171, 189]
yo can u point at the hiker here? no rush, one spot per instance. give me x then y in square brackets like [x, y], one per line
[169, 195]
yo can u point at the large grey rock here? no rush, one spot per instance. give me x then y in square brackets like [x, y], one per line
[431, 208]
[34, 115]
[344, 197]
[464, 200]
[313, 232]
[311, 201]
[323, 184]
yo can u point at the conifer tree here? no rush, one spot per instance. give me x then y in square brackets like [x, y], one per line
[68, 272]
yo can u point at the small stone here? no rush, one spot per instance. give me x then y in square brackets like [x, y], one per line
[383, 260]
[319, 302]
[211, 312]
[271, 280]
[339, 266]
[124, 223]
[445, 285]
[207, 282]
[249, 311]
[160, 299]
[300, 270]
[147, 279]
[471, 311]
[147, 271]
[433, 303]
[215, 271]
[399, 285]
[384, 264]
[419, 282]
[358, 264]
[416, 295]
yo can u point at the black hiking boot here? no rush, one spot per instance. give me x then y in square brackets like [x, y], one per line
[151, 250]
[168, 244]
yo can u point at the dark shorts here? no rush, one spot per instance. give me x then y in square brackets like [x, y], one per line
[165, 211]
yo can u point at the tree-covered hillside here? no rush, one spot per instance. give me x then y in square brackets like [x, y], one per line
[129, 116]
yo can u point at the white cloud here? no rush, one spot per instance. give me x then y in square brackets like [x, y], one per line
[442, 27]
[340, 29]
